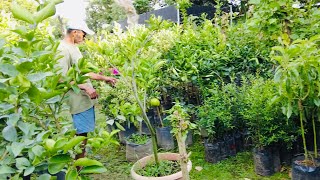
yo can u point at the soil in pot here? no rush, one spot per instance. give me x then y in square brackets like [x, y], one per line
[138, 146]
[165, 168]
[305, 170]
[140, 164]
[165, 138]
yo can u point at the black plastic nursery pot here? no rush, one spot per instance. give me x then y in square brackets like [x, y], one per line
[213, 151]
[239, 141]
[165, 138]
[300, 171]
[129, 130]
[266, 161]
[189, 140]
[135, 152]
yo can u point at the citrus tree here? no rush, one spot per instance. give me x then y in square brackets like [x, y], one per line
[36, 138]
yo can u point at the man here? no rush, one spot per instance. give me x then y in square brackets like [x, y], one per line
[81, 104]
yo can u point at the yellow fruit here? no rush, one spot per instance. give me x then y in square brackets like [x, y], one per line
[155, 102]
[49, 144]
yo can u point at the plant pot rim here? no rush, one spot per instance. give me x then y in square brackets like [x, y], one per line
[162, 156]
[135, 144]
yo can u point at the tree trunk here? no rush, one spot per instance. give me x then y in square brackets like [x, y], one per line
[184, 156]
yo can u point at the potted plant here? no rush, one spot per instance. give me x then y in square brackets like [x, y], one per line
[215, 116]
[179, 120]
[265, 123]
[297, 77]
[164, 137]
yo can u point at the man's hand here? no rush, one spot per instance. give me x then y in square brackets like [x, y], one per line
[111, 80]
[89, 90]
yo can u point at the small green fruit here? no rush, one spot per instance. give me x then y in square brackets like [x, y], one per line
[155, 102]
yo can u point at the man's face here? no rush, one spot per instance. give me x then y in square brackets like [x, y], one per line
[78, 36]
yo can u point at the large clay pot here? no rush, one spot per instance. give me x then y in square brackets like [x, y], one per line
[162, 156]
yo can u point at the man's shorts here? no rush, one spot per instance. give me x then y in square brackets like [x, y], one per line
[84, 122]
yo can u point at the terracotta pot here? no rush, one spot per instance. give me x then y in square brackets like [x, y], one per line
[162, 156]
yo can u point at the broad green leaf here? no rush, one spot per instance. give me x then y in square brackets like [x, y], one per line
[61, 158]
[29, 170]
[87, 162]
[9, 69]
[10, 56]
[75, 88]
[110, 122]
[254, 1]
[9, 133]
[119, 126]
[317, 102]
[38, 76]
[93, 170]
[72, 175]
[5, 106]
[22, 163]
[13, 119]
[120, 117]
[6, 170]
[21, 13]
[48, 11]
[53, 99]
[38, 150]
[16, 148]
[60, 143]
[54, 168]
[44, 177]
[24, 127]
[73, 142]
[40, 53]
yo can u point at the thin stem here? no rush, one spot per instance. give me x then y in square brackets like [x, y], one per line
[55, 118]
[158, 112]
[302, 130]
[314, 136]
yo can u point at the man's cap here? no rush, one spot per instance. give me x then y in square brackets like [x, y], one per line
[79, 25]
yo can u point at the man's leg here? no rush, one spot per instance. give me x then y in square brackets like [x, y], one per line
[82, 146]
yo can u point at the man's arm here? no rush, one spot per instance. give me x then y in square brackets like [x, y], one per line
[99, 77]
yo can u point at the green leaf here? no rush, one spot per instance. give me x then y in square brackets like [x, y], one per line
[55, 167]
[38, 76]
[38, 150]
[73, 142]
[48, 11]
[10, 56]
[61, 158]
[6, 170]
[87, 162]
[22, 163]
[9, 133]
[53, 99]
[120, 117]
[21, 13]
[72, 175]
[13, 119]
[289, 110]
[75, 88]
[60, 143]
[93, 170]
[5, 106]
[317, 102]
[9, 69]
[254, 1]
[119, 126]
[44, 177]
[16, 148]
[29, 170]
